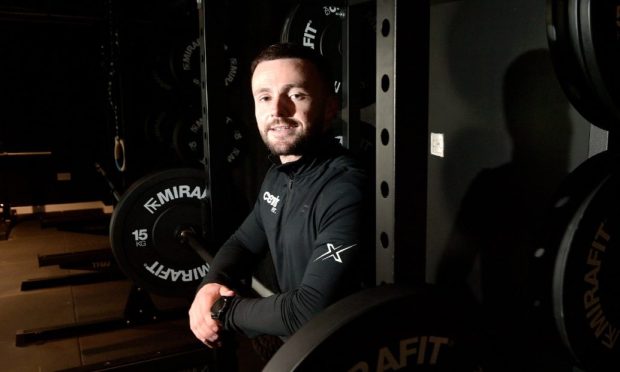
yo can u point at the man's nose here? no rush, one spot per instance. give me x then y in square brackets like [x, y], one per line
[281, 106]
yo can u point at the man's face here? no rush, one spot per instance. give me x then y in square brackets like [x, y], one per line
[291, 105]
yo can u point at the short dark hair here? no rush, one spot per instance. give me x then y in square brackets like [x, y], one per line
[292, 50]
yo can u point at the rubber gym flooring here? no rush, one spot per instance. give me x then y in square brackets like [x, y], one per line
[24, 311]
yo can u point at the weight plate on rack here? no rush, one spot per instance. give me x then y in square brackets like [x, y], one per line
[144, 231]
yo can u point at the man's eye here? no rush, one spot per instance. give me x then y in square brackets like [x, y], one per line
[297, 96]
[263, 98]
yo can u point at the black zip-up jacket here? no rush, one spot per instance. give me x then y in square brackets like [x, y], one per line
[310, 214]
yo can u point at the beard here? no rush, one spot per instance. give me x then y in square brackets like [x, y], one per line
[296, 144]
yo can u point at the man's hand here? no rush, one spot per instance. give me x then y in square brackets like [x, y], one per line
[206, 329]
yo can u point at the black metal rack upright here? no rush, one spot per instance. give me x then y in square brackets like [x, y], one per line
[212, 87]
[401, 143]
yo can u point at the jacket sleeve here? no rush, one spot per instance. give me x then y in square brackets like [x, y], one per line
[235, 260]
[332, 270]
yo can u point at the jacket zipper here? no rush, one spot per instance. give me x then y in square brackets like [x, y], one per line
[289, 191]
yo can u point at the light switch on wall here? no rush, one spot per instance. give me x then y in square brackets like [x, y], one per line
[437, 144]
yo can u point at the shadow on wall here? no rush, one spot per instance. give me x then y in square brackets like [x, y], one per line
[503, 209]
[477, 146]
[480, 38]
[483, 37]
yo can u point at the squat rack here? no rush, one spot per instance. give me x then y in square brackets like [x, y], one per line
[402, 48]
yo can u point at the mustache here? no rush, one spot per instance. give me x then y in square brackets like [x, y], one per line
[281, 121]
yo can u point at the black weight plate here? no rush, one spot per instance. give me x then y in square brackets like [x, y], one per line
[166, 50]
[185, 64]
[586, 280]
[188, 140]
[177, 65]
[386, 328]
[231, 66]
[235, 140]
[159, 125]
[144, 231]
[579, 184]
[563, 35]
[571, 193]
[599, 23]
[320, 28]
[362, 52]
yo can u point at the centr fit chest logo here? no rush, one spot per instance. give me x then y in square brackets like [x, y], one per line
[272, 200]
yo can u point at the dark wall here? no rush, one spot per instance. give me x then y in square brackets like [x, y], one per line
[52, 100]
[76, 75]
[495, 97]
[511, 137]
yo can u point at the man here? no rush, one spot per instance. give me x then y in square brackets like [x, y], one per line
[309, 212]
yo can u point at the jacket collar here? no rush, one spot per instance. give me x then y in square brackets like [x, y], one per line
[325, 148]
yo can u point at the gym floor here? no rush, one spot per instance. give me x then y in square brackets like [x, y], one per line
[25, 312]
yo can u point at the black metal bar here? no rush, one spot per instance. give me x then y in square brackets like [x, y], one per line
[72, 279]
[139, 310]
[32, 336]
[78, 216]
[38, 335]
[353, 48]
[36, 16]
[219, 219]
[402, 108]
[7, 219]
[94, 255]
[181, 359]
[25, 153]
[411, 125]
[212, 86]
[189, 237]
[104, 175]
